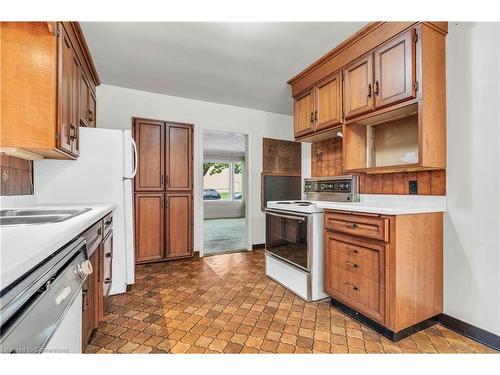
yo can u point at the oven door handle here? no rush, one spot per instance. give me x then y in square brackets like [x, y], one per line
[297, 218]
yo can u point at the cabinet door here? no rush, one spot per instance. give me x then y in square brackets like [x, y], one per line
[98, 286]
[87, 311]
[150, 138]
[92, 109]
[328, 99]
[179, 156]
[149, 227]
[84, 100]
[93, 283]
[179, 225]
[303, 115]
[395, 70]
[65, 90]
[358, 87]
[107, 245]
[75, 105]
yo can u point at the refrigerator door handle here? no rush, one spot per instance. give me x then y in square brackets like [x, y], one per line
[136, 160]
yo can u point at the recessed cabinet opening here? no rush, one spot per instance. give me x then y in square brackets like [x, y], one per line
[384, 141]
[393, 143]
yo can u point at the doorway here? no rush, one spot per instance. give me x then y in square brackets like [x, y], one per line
[224, 192]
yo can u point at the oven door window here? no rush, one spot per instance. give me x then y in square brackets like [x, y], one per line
[286, 238]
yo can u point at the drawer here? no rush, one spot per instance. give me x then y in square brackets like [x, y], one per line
[373, 227]
[107, 224]
[367, 261]
[363, 294]
[93, 237]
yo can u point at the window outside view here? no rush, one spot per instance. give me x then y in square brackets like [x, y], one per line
[222, 180]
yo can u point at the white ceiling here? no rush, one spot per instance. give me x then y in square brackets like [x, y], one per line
[222, 143]
[242, 64]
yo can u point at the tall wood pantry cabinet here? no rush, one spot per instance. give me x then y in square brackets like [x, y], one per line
[163, 190]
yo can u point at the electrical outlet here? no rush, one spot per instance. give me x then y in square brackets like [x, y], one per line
[413, 187]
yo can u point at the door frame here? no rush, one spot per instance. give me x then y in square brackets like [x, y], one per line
[199, 186]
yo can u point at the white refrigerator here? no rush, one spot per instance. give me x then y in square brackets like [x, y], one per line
[102, 173]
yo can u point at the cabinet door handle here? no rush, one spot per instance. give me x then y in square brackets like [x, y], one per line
[91, 117]
[316, 115]
[354, 287]
[354, 251]
[353, 265]
[108, 222]
[312, 117]
[107, 280]
[369, 90]
[376, 87]
[72, 132]
[108, 255]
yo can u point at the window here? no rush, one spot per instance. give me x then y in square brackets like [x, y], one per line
[223, 180]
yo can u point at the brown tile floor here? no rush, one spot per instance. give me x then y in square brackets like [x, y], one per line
[225, 304]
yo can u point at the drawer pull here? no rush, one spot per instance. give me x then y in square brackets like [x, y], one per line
[108, 255]
[107, 280]
[352, 225]
[354, 287]
[108, 222]
[354, 265]
[354, 251]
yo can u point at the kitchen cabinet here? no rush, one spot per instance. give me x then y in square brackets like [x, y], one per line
[179, 224]
[87, 102]
[303, 114]
[149, 227]
[42, 63]
[179, 156]
[393, 98]
[394, 79]
[163, 190]
[96, 288]
[358, 87]
[150, 140]
[328, 103]
[386, 268]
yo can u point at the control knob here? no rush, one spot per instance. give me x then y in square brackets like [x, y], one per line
[83, 269]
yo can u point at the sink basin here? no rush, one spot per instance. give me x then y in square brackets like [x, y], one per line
[37, 216]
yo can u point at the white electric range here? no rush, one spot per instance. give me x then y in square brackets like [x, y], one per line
[294, 235]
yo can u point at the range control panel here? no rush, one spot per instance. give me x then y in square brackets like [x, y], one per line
[342, 188]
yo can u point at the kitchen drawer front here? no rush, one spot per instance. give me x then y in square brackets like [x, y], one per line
[361, 293]
[107, 224]
[372, 227]
[93, 238]
[366, 261]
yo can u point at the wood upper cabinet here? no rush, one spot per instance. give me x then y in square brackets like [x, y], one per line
[395, 70]
[358, 87]
[87, 102]
[303, 114]
[150, 140]
[66, 67]
[149, 226]
[179, 225]
[328, 103]
[179, 156]
[42, 64]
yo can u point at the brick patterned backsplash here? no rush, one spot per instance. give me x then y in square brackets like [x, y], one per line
[326, 160]
[16, 176]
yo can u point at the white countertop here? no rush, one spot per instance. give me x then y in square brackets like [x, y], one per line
[390, 204]
[23, 247]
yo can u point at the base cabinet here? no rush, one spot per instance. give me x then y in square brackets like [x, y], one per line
[395, 280]
[95, 289]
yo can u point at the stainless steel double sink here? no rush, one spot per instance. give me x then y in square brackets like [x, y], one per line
[37, 216]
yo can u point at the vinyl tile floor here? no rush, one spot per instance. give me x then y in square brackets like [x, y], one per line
[225, 304]
[222, 235]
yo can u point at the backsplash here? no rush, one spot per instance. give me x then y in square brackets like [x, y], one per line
[326, 160]
[15, 176]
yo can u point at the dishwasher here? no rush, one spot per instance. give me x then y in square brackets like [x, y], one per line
[41, 312]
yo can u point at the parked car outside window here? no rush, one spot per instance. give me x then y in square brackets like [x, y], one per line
[210, 194]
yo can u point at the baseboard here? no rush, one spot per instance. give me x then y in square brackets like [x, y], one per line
[472, 332]
[379, 328]
[257, 246]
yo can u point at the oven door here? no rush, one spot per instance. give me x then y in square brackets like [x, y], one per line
[288, 237]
